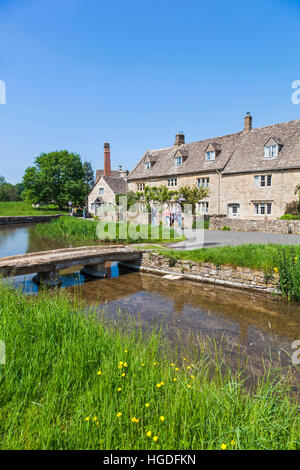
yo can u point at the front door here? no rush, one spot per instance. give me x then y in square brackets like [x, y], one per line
[233, 210]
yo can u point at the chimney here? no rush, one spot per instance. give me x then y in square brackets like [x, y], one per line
[248, 122]
[107, 167]
[180, 139]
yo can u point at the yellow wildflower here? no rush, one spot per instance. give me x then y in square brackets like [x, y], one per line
[232, 442]
[296, 258]
[172, 365]
[125, 364]
[188, 367]
[97, 423]
[149, 433]
[189, 386]
[134, 420]
[158, 385]
[223, 446]
[123, 375]
[176, 369]
[147, 405]
[276, 270]
[155, 438]
[143, 365]
[154, 363]
[119, 414]
[119, 389]
[175, 379]
[184, 358]
[94, 419]
[126, 351]
[162, 418]
[162, 383]
[99, 372]
[87, 418]
[192, 376]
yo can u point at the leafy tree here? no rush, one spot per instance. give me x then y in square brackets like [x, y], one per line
[56, 177]
[132, 198]
[8, 193]
[159, 194]
[89, 177]
[192, 195]
[2, 180]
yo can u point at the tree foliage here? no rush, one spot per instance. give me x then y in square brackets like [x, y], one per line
[55, 178]
[89, 177]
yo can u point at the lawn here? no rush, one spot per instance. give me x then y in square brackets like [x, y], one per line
[69, 228]
[264, 257]
[23, 208]
[72, 382]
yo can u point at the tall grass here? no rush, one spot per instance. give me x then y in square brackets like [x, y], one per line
[263, 257]
[288, 266]
[72, 382]
[69, 228]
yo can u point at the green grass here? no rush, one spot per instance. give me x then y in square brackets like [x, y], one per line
[290, 217]
[69, 228]
[50, 385]
[263, 257]
[23, 208]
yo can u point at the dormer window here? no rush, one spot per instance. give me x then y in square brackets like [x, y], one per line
[272, 147]
[101, 190]
[271, 151]
[147, 165]
[178, 161]
[210, 156]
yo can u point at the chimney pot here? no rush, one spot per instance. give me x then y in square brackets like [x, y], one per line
[248, 122]
[107, 165]
[180, 139]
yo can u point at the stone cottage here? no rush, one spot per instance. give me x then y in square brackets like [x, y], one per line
[251, 174]
[108, 184]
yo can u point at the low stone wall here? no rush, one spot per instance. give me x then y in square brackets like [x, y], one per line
[240, 277]
[265, 225]
[28, 219]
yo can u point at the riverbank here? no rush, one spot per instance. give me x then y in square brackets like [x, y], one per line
[21, 208]
[29, 219]
[71, 382]
[69, 228]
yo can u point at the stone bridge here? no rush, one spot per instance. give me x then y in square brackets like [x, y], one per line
[47, 264]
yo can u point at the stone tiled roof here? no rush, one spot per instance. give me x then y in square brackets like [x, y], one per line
[100, 173]
[249, 154]
[240, 152]
[118, 185]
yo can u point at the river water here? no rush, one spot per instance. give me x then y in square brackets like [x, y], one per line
[251, 324]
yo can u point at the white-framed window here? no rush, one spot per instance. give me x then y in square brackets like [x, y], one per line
[101, 190]
[147, 165]
[203, 207]
[140, 186]
[210, 156]
[271, 151]
[203, 182]
[172, 182]
[262, 180]
[178, 161]
[263, 208]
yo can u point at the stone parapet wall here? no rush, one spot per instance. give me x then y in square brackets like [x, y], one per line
[240, 277]
[245, 225]
[28, 219]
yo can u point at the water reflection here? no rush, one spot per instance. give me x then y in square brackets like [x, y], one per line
[260, 326]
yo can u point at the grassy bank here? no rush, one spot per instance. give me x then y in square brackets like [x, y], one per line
[264, 257]
[23, 208]
[69, 382]
[69, 228]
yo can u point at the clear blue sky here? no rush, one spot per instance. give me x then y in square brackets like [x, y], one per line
[81, 72]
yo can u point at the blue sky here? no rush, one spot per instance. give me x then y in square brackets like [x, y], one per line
[135, 72]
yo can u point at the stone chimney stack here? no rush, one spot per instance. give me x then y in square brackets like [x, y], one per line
[180, 139]
[107, 166]
[248, 122]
